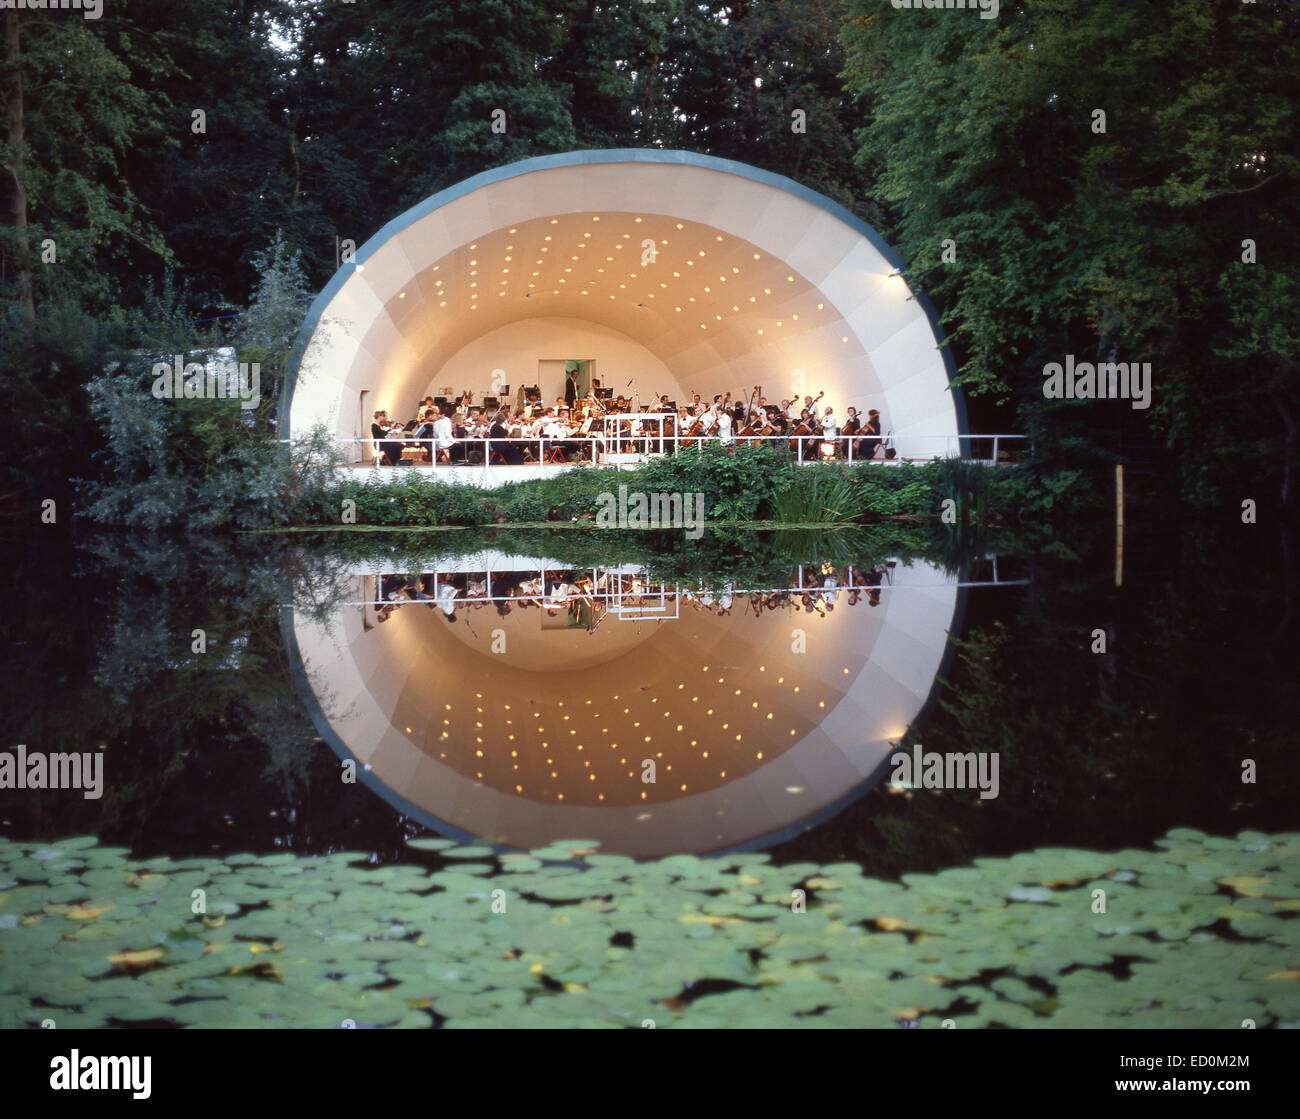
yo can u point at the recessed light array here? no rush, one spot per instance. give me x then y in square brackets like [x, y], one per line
[586, 241]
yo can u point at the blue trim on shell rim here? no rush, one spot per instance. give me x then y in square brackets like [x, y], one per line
[610, 155]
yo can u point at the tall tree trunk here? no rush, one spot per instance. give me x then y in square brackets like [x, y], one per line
[13, 82]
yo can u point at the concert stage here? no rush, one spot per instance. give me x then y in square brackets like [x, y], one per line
[661, 273]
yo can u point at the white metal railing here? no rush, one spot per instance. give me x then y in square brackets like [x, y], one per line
[630, 601]
[619, 439]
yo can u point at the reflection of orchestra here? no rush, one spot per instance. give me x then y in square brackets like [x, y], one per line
[575, 429]
[557, 592]
[552, 592]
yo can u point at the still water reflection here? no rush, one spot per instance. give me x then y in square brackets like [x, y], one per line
[513, 699]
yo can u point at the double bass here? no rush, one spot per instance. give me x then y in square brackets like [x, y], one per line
[756, 421]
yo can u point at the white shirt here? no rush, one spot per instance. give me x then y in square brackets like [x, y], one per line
[724, 427]
[830, 427]
[447, 599]
[442, 435]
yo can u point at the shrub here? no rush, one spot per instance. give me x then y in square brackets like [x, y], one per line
[817, 495]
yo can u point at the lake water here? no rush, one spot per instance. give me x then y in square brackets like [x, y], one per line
[418, 710]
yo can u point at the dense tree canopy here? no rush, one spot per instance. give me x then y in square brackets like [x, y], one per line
[162, 150]
[1095, 235]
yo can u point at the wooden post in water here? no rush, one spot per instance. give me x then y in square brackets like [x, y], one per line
[1119, 524]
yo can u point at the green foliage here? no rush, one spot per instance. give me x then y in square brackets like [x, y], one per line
[738, 481]
[1126, 242]
[418, 943]
[202, 463]
[906, 490]
[818, 493]
[267, 330]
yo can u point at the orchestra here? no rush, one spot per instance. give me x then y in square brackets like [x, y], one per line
[575, 428]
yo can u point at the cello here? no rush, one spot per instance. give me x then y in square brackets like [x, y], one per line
[850, 429]
[807, 426]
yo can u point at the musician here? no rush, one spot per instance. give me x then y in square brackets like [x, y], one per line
[571, 388]
[584, 426]
[389, 451]
[640, 430]
[502, 444]
[532, 424]
[723, 426]
[791, 410]
[830, 427]
[851, 427]
[872, 429]
[808, 428]
[444, 435]
[556, 432]
[459, 451]
[423, 433]
[810, 405]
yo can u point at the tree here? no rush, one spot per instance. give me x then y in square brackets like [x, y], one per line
[1071, 239]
